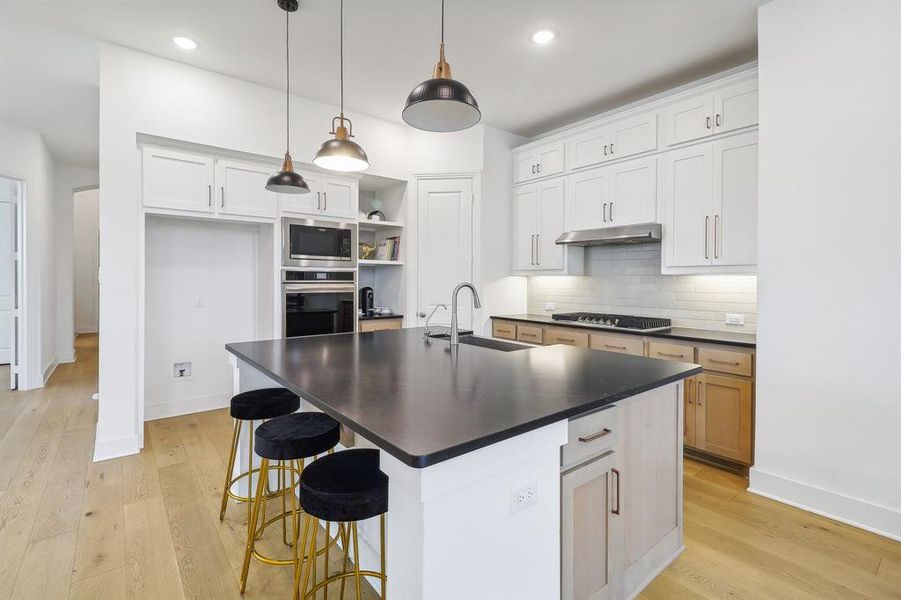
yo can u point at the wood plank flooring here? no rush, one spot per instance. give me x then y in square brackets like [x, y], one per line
[147, 527]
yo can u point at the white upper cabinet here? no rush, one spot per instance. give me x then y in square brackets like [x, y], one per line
[690, 119]
[177, 180]
[307, 204]
[620, 139]
[633, 192]
[688, 201]
[735, 200]
[551, 224]
[539, 161]
[525, 222]
[339, 197]
[538, 220]
[736, 106]
[590, 148]
[241, 189]
[588, 200]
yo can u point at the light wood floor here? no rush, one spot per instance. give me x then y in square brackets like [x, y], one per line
[147, 526]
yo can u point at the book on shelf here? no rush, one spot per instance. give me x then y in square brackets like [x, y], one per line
[389, 249]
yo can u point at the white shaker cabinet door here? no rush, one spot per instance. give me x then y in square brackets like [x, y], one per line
[633, 136]
[688, 201]
[307, 204]
[242, 190]
[633, 192]
[525, 224]
[690, 119]
[551, 208]
[589, 200]
[590, 148]
[177, 180]
[735, 200]
[736, 106]
[339, 198]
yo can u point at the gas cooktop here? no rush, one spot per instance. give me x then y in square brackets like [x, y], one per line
[605, 321]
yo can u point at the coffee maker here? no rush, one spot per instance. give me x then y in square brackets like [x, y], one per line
[367, 300]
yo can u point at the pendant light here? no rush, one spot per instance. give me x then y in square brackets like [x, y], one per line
[441, 103]
[287, 181]
[340, 153]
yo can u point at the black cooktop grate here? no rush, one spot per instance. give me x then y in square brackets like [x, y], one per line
[619, 321]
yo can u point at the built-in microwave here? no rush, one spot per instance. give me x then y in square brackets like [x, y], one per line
[318, 244]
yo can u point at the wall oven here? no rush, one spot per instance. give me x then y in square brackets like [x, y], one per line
[318, 302]
[313, 243]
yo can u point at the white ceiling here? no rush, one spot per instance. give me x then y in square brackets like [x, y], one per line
[607, 53]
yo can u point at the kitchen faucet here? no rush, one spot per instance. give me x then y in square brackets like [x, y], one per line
[454, 332]
[428, 330]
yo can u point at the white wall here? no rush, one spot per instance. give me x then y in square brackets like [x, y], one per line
[829, 340]
[87, 260]
[201, 282]
[23, 155]
[66, 180]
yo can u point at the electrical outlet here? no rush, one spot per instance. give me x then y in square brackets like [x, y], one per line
[735, 319]
[180, 370]
[550, 306]
[199, 302]
[524, 497]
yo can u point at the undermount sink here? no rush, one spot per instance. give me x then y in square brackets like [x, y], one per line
[482, 342]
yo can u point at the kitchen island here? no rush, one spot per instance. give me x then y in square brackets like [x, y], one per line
[471, 440]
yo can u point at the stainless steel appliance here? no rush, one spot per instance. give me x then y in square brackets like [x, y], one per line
[367, 300]
[646, 233]
[606, 321]
[319, 244]
[318, 302]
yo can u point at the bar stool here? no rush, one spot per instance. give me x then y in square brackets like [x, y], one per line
[290, 439]
[248, 407]
[344, 487]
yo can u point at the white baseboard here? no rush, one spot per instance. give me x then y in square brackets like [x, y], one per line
[116, 447]
[67, 357]
[49, 369]
[845, 509]
[188, 406]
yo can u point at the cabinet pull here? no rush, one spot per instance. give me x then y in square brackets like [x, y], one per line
[538, 248]
[318, 200]
[614, 347]
[716, 227]
[611, 212]
[538, 166]
[706, 236]
[533, 169]
[611, 148]
[527, 334]
[590, 438]
[670, 354]
[209, 196]
[605, 212]
[605, 149]
[708, 122]
[532, 249]
[699, 393]
[618, 477]
[724, 362]
[718, 120]
[570, 340]
[222, 198]
[324, 200]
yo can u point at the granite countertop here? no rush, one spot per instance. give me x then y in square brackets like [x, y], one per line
[748, 340]
[373, 317]
[424, 404]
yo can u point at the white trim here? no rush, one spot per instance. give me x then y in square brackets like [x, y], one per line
[115, 448]
[49, 369]
[164, 410]
[68, 357]
[871, 517]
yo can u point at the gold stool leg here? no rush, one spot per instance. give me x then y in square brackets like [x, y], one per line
[294, 525]
[356, 559]
[282, 488]
[345, 540]
[252, 522]
[250, 468]
[382, 543]
[328, 542]
[300, 571]
[231, 466]
[313, 524]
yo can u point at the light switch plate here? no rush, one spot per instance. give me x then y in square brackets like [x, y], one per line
[550, 306]
[735, 319]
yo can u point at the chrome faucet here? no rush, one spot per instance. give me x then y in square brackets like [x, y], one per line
[454, 332]
[428, 330]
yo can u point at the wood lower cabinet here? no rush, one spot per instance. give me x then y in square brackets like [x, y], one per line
[622, 344]
[689, 437]
[566, 336]
[724, 417]
[503, 329]
[379, 324]
[530, 333]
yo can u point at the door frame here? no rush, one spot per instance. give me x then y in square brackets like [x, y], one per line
[412, 259]
[21, 366]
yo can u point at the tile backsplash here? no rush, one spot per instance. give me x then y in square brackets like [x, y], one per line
[627, 280]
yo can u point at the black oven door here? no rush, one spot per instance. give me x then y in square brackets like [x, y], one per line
[315, 309]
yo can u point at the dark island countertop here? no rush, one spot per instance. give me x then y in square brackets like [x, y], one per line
[748, 340]
[423, 404]
[373, 317]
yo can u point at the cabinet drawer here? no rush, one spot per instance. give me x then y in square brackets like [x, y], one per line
[532, 334]
[667, 351]
[568, 337]
[378, 325]
[726, 361]
[633, 345]
[503, 329]
[589, 436]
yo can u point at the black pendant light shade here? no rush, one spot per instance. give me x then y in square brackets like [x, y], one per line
[441, 104]
[287, 181]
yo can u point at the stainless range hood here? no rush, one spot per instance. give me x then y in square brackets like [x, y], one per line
[646, 233]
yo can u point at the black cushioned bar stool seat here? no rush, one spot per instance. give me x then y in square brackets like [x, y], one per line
[267, 403]
[345, 486]
[296, 436]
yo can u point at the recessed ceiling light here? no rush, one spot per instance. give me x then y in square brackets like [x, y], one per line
[543, 36]
[185, 43]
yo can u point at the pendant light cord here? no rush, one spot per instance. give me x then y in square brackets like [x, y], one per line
[442, 22]
[341, 65]
[287, 87]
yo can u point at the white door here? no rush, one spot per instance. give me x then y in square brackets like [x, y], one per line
[444, 224]
[735, 200]
[551, 207]
[307, 204]
[590, 200]
[242, 189]
[633, 136]
[8, 190]
[525, 225]
[177, 180]
[690, 119]
[633, 192]
[688, 192]
[339, 198]
[736, 106]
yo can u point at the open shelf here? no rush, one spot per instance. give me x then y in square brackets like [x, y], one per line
[372, 262]
[368, 225]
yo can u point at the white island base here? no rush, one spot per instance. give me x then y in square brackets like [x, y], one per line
[454, 534]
